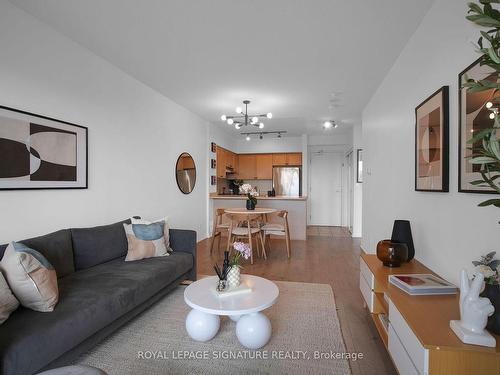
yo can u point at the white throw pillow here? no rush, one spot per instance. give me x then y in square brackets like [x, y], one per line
[8, 303]
[31, 277]
[166, 233]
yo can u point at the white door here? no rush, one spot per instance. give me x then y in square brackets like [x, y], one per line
[325, 188]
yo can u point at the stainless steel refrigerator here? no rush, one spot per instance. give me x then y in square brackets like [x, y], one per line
[287, 181]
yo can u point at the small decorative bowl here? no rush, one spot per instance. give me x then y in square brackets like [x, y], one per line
[392, 254]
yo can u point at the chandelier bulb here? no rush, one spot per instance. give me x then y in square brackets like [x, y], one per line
[247, 138]
[239, 110]
[230, 121]
[489, 105]
[492, 115]
[223, 117]
[255, 119]
[269, 115]
[261, 125]
[237, 126]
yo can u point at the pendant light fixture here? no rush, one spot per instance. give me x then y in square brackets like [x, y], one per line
[244, 119]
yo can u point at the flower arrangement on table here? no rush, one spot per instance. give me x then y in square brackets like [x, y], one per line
[251, 194]
[234, 273]
[490, 268]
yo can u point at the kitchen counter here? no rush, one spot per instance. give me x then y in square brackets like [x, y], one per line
[263, 197]
[296, 207]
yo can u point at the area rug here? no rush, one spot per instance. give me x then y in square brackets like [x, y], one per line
[306, 339]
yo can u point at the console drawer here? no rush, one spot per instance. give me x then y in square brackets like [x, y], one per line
[399, 356]
[367, 274]
[367, 292]
[418, 355]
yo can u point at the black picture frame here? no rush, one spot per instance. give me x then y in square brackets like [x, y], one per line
[85, 149]
[462, 142]
[213, 147]
[359, 166]
[444, 141]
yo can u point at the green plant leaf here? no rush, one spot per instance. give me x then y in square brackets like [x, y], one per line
[482, 160]
[490, 202]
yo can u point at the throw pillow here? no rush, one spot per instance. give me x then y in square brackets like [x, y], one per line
[145, 241]
[8, 303]
[166, 228]
[31, 277]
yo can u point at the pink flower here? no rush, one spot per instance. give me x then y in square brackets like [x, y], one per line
[243, 249]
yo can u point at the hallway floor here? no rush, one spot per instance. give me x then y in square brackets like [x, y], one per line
[328, 256]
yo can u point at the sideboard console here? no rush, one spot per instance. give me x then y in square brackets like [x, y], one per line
[415, 329]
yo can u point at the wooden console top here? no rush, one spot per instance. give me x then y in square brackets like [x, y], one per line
[428, 316]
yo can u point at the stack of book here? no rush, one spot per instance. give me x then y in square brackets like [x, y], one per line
[422, 284]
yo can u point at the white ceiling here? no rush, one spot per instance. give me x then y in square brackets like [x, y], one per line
[287, 56]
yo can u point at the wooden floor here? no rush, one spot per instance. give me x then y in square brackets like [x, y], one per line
[328, 256]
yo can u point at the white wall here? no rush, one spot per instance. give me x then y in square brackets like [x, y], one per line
[448, 229]
[268, 144]
[135, 135]
[357, 191]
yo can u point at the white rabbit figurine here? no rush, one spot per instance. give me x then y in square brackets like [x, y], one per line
[474, 312]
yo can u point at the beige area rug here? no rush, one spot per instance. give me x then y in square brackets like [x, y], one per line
[304, 323]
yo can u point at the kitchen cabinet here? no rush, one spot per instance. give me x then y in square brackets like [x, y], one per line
[264, 165]
[279, 159]
[290, 158]
[221, 162]
[294, 158]
[247, 167]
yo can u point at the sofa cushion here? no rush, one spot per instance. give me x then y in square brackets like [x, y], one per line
[145, 241]
[30, 276]
[89, 300]
[93, 246]
[8, 303]
[56, 247]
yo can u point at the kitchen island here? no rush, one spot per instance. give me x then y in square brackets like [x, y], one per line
[296, 207]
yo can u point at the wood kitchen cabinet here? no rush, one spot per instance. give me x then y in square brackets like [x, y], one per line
[247, 167]
[294, 158]
[290, 158]
[264, 165]
[221, 162]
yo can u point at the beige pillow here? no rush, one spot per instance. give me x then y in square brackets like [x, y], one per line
[8, 303]
[31, 277]
[145, 241]
[166, 228]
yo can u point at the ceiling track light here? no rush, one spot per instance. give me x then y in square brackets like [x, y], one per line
[245, 119]
[261, 134]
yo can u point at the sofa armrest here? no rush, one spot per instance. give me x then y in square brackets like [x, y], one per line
[185, 241]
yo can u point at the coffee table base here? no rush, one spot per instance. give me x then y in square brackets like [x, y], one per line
[253, 330]
[202, 326]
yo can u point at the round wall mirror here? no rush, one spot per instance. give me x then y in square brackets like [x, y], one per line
[185, 173]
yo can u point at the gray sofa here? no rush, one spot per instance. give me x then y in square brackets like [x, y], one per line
[98, 292]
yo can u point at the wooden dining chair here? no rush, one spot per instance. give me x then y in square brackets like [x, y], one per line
[218, 228]
[276, 229]
[245, 231]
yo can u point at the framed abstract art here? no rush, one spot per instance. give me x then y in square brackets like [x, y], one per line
[39, 152]
[432, 143]
[473, 117]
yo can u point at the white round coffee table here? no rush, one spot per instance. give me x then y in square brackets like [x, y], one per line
[253, 328]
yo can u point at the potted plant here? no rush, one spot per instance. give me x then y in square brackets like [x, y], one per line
[490, 268]
[234, 273]
[234, 185]
[251, 194]
[485, 145]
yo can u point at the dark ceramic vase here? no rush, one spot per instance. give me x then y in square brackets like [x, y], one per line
[250, 205]
[401, 232]
[492, 292]
[392, 254]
